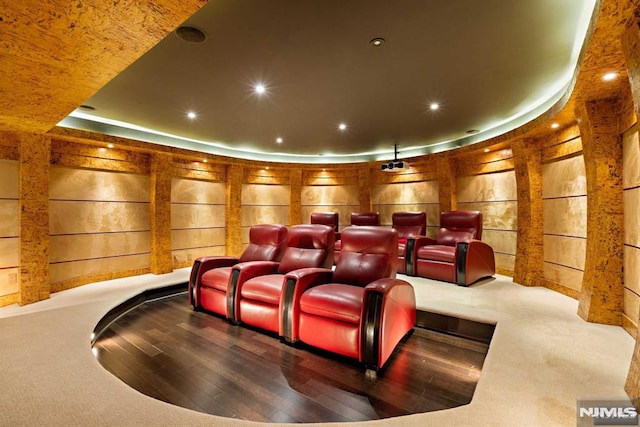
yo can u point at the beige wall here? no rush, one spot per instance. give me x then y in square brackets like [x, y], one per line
[9, 227]
[264, 204]
[198, 220]
[631, 183]
[99, 223]
[564, 193]
[493, 194]
[410, 196]
[343, 199]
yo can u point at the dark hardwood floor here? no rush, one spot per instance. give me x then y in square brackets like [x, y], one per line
[201, 362]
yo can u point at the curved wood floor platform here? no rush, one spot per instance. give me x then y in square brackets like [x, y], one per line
[198, 361]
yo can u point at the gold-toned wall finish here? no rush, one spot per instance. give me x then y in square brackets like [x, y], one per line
[412, 196]
[264, 204]
[86, 155]
[447, 195]
[59, 53]
[566, 216]
[601, 299]
[233, 216]
[564, 178]
[631, 159]
[34, 217]
[70, 275]
[160, 205]
[631, 282]
[9, 174]
[365, 182]
[631, 185]
[85, 184]
[528, 263]
[343, 199]
[631, 223]
[9, 231]
[70, 217]
[265, 195]
[295, 197]
[73, 247]
[197, 220]
[487, 188]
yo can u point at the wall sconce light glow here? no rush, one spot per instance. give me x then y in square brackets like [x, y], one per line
[192, 115]
[486, 150]
[260, 89]
[434, 106]
[609, 76]
[279, 140]
[204, 160]
[110, 145]
[555, 125]
[342, 126]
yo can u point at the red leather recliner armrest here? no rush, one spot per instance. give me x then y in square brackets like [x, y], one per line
[295, 283]
[424, 241]
[200, 266]
[389, 313]
[241, 273]
[479, 262]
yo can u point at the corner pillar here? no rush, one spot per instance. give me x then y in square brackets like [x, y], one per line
[161, 174]
[447, 196]
[233, 237]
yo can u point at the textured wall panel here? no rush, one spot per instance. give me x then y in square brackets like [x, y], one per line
[89, 246]
[9, 216]
[505, 262]
[185, 257]
[631, 211]
[344, 212]
[501, 241]
[567, 251]
[330, 195]
[97, 217]
[631, 305]
[197, 238]
[9, 252]
[197, 216]
[9, 179]
[9, 281]
[265, 195]
[565, 276]
[86, 184]
[252, 215]
[405, 193]
[198, 192]
[495, 215]
[97, 267]
[489, 187]
[564, 178]
[632, 268]
[631, 160]
[566, 217]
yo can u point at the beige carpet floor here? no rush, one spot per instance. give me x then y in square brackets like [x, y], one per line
[543, 358]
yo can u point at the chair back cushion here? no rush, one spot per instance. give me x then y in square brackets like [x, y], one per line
[458, 226]
[326, 218]
[266, 243]
[409, 224]
[368, 253]
[365, 218]
[308, 245]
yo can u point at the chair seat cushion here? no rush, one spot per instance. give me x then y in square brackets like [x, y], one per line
[402, 247]
[263, 288]
[218, 278]
[437, 253]
[334, 301]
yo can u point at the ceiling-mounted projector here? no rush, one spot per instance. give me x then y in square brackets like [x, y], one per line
[395, 164]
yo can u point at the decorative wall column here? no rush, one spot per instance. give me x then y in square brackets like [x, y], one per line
[365, 184]
[631, 48]
[527, 157]
[233, 237]
[35, 155]
[295, 204]
[161, 174]
[446, 184]
[601, 297]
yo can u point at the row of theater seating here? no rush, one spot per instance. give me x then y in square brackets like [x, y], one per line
[456, 255]
[284, 283]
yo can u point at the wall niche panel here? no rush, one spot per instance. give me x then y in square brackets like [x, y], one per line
[410, 196]
[99, 225]
[631, 190]
[9, 231]
[343, 199]
[264, 204]
[198, 220]
[564, 195]
[493, 194]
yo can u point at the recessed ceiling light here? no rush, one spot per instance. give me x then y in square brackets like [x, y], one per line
[342, 126]
[609, 76]
[192, 115]
[259, 88]
[555, 125]
[378, 41]
[434, 106]
[279, 140]
[486, 150]
[191, 34]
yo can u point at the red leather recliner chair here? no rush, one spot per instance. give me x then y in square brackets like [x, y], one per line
[360, 310]
[359, 219]
[456, 255]
[210, 276]
[410, 225]
[259, 284]
[330, 219]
